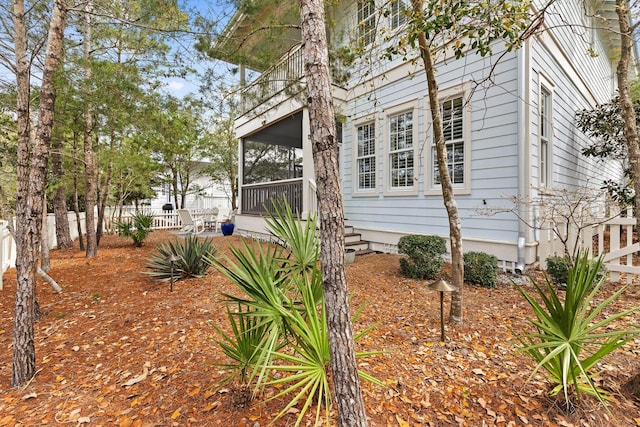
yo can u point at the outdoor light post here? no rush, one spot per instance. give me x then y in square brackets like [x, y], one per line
[441, 286]
[172, 259]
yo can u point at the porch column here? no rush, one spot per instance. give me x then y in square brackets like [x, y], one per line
[308, 172]
[240, 174]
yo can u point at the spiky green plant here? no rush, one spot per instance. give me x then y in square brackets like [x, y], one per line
[284, 305]
[137, 228]
[569, 341]
[193, 260]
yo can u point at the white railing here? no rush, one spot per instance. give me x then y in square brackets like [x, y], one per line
[289, 70]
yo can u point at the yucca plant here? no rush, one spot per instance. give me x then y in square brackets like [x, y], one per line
[137, 228]
[193, 260]
[569, 340]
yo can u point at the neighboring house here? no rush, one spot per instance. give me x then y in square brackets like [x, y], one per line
[514, 134]
[203, 194]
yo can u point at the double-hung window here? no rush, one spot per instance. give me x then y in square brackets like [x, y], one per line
[366, 156]
[366, 22]
[398, 13]
[453, 124]
[401, 151]
[546, 132]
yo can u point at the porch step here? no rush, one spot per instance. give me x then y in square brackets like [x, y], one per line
[365, 252]
[358, 245]
[352, 237]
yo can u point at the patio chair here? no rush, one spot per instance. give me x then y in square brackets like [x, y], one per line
[210, 218]
[189, 223]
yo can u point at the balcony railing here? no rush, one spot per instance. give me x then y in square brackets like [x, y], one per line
[256, 198]
[283, 75]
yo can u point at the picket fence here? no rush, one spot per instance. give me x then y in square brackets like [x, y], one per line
[612, 238]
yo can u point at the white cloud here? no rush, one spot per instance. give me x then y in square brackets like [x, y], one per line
[175, 86]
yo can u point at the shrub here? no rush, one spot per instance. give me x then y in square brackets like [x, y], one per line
[136, 229]
[558, 269]
[565, 331]
[194, 259]
[424, 256]
[481, 268]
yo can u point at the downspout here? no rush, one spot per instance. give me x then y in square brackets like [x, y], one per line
[524, 132]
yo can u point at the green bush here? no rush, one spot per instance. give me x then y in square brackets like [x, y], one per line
[481, 268]
[567, 329]
[558, 269]
[137, 228]
[424, 256]
[194, 257]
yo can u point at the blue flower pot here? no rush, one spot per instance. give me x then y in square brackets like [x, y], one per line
[227, 229]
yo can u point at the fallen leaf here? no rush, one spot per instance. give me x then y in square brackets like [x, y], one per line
[175, 414]
[194, 391]
[401, 422]
[84, 420]
[29, 396]
[137, 379]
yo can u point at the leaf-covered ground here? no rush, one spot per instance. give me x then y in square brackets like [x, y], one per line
[117, 349]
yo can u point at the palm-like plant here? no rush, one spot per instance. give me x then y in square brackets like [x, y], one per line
[282, 325]
[192, 259]
[569, 342]
[137, 228]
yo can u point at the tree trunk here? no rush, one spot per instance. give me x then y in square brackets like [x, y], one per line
[626, 103]
[346, 384]
[76, 204]
[63, 234]
[89, 156]
[31, 172]
[102, 200]
[455, 226]
[45, 247]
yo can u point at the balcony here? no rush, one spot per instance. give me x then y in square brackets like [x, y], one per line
[283, 76]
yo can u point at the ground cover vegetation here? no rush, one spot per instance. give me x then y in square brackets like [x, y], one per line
[117, 348]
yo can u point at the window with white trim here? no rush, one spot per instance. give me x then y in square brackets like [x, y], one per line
[366, 21]
[546, 132]
[453, 124]
[398, 13]
[401, 151]
[366, 156]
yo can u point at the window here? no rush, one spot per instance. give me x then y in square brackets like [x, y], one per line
[398, 15]
[546, 131]
[401, 158]
[366, 156]
[366, 22]
[453, 124]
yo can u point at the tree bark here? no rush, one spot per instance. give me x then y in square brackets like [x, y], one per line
[89, 155]
[63, 234]
[626, 103]
[455, 225]
[346, 384]
[76, 204]
[32, 167]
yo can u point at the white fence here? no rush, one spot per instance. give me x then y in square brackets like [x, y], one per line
[7, 249]
[612, 238]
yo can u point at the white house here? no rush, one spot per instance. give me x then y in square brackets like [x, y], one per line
[512, 134]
